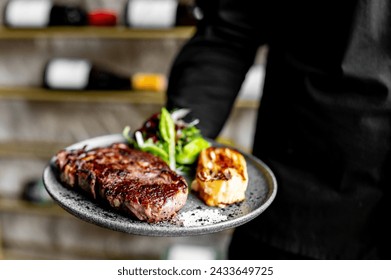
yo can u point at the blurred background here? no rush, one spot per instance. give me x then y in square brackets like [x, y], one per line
[40, 114]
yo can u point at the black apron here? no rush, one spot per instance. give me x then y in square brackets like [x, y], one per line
[323, 124]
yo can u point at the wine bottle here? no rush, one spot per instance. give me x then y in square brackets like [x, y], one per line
[42, 13]
[82, 74]
[34, 192]
[158, 14]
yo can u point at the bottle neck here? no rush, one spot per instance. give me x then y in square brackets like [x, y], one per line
[102, 79]
[102, 17]
[68, 15]
[185, 15]
[149, 82]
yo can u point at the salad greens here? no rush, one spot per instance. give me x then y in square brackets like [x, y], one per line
[167, 136]
[167, 132]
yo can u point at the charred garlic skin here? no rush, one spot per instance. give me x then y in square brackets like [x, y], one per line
[221, 176]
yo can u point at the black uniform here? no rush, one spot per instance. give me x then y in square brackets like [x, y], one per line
[324, 123]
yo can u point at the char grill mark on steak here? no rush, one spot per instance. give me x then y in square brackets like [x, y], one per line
[128, 180]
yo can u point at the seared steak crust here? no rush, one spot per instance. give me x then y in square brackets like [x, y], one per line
[129, 180]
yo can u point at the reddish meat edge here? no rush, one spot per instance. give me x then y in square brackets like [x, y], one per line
[129, 180]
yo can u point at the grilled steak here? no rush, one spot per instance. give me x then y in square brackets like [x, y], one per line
[129, 180]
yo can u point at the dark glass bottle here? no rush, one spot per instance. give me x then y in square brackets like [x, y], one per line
[82, 74]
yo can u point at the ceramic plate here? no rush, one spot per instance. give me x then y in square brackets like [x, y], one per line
[193, 219]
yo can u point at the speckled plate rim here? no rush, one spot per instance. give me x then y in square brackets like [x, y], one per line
[84, 208]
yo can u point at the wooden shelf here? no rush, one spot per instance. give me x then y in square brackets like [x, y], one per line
[8, 205]
[131, 97]
[40, 94]
[89, 32]
[31, 149]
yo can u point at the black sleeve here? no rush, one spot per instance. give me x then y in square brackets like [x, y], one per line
[208, 72]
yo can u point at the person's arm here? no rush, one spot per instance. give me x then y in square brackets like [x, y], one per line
[208, 72]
